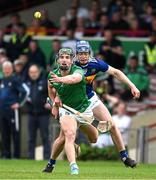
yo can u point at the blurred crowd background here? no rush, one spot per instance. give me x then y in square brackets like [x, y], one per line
[117, 18]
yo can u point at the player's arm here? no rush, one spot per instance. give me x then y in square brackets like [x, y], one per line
[124, 79]
[74, 78]
[51, 91]
[53, 96]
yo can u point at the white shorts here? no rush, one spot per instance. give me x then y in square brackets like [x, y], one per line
[95, 101]
[88, 112]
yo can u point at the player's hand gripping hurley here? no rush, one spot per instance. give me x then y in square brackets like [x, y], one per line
[102, 126]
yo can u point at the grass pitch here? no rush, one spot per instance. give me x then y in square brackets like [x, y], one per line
[27, 169]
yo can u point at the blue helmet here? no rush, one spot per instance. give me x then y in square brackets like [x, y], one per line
[82, 46]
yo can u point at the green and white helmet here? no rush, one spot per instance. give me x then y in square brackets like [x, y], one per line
[67, 51]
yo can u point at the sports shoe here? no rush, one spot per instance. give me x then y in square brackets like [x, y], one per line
[48, 168]
[74, 170]
[77, 150]
[130, 162]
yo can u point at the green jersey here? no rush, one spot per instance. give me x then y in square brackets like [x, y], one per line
[73, 95]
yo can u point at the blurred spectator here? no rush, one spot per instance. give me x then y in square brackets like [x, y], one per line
[18, 69]
[38, 114]
[103, 24]
[82, 12]
[62, 26]
[138, 75]
[117, 22]
[3, 58]
[36, 55]
[103, 88]
[3, 43]
[55, 47]
[24, 59]
[122, 121]
[72, 18]
[13, 94]
[112, 50]
[71, 40]
[36, 28]
[153, 24]
[96, 7]
[150, 53]
[47, 23]
[80, 28]
[129, 13]
[135, 29]
[19, 43]
[113, 5]
[92, 25]
[148, 11]
[15, 21]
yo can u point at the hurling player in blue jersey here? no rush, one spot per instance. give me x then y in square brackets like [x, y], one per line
[91, 67]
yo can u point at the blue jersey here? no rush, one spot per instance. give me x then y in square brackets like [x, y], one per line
[90, 70]
[12, 90]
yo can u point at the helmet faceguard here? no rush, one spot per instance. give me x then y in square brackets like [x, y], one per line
[82, 46]
[67, 51]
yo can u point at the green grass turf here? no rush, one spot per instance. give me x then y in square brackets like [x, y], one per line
[27, 169]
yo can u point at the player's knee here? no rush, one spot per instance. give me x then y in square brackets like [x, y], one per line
[70, 135]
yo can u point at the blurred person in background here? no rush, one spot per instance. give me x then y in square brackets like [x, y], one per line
[139, 76]
[72, 18]
[25, 61]
[148, 10]
[15, 21]
[153, 23]
[104, 24]
[92, 24]
[47, 22]
[38, 113]
[36, 28]
[19, 42]
[3, 58]
[63, 26]
[82, 12]
[103, 89]
[117, 22]
[112, 50]
[55, 46]
[13, 94]
[80, 28]
[96, 7]
[122, 121]
[36, 55]
[3, 43]
[18, 69]
[135, 29]
[150, 53]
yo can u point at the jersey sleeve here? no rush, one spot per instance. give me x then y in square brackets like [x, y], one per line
[102, 66]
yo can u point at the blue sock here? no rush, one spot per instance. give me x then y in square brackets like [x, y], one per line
[124, 155]
[52, 162]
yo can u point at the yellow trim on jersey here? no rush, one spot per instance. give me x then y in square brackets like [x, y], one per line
[89, 79]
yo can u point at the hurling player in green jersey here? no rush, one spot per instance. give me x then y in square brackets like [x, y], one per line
[68, 83]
